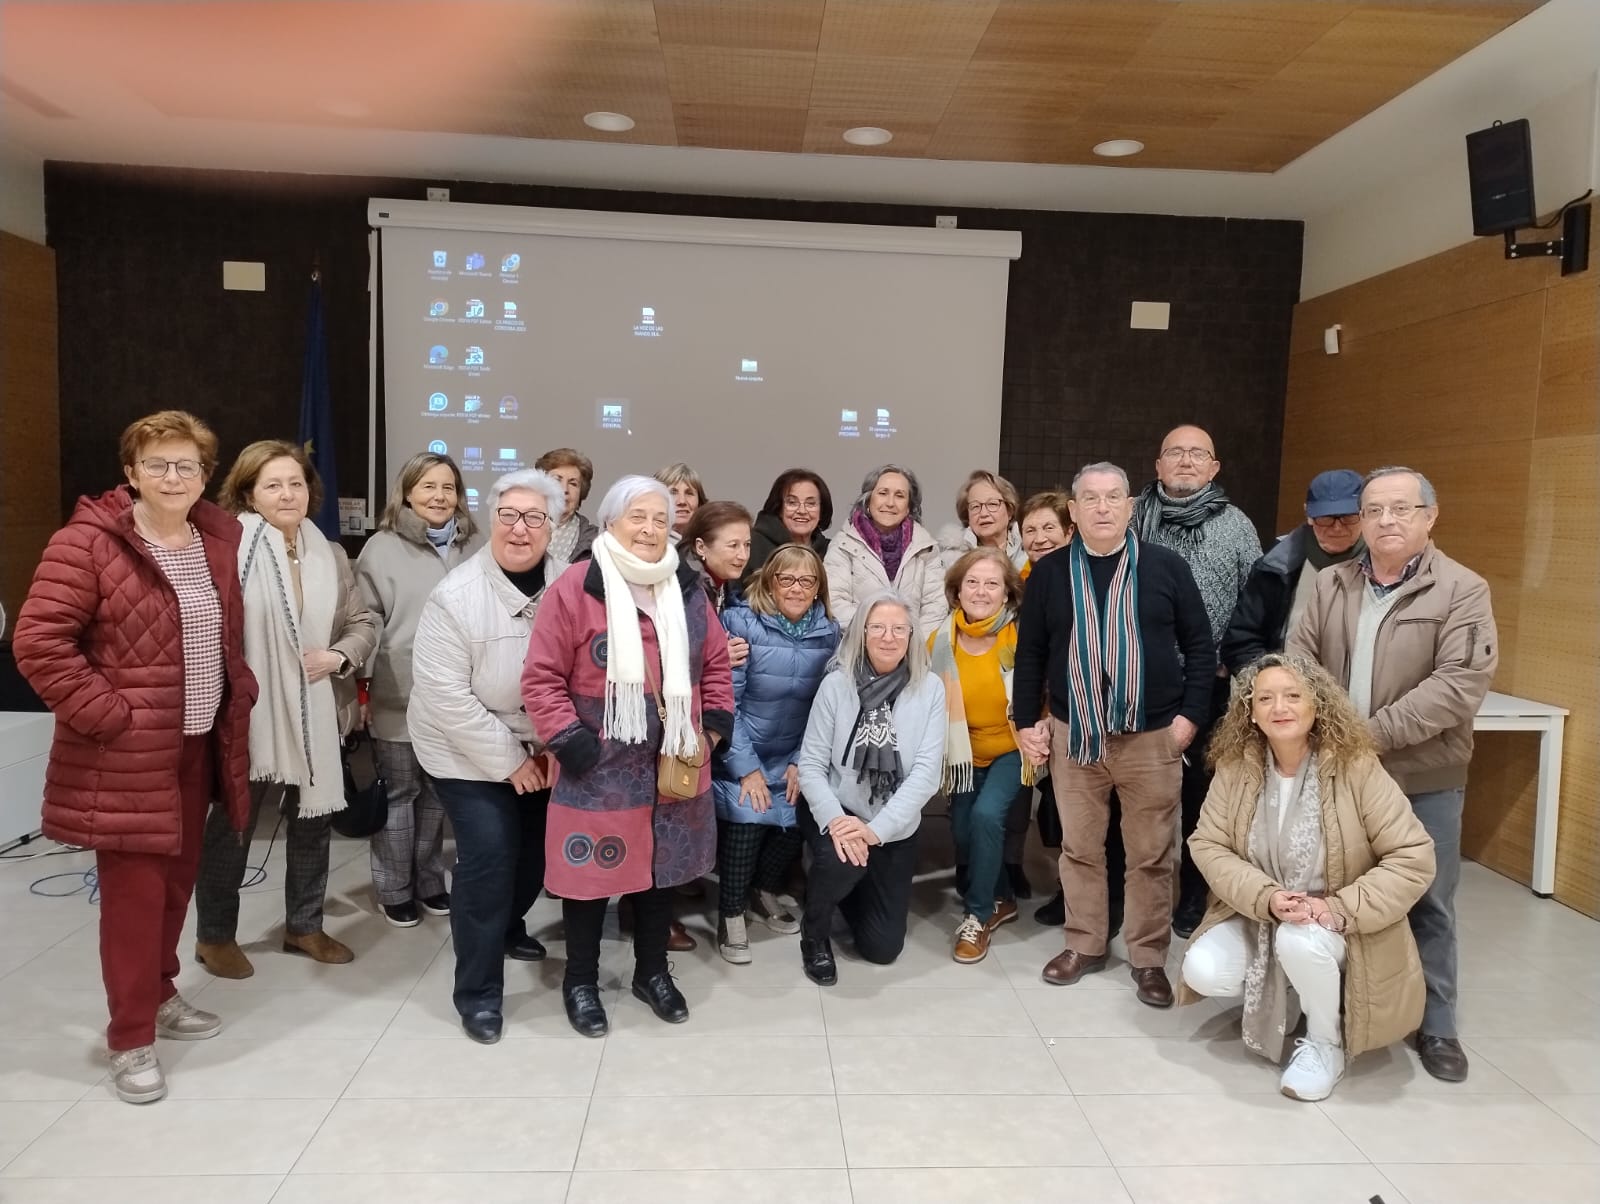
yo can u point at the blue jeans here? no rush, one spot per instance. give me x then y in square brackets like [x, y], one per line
[978, 823]
[1433, 919]
[499, 870]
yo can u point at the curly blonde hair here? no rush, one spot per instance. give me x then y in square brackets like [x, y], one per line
[1339, 735]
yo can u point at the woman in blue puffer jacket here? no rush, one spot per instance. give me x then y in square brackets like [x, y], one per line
[784, 617]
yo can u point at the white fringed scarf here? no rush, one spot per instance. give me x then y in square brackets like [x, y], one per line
[294, 726]
[625, 715]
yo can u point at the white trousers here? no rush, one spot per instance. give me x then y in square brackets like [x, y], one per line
[1312, 959]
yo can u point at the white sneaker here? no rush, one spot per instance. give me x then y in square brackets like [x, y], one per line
[179, 1020]
[774, 913]
[733, 942]
[1313, 1071]
[137, 1076]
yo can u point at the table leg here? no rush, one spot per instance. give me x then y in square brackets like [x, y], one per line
[1547, 812]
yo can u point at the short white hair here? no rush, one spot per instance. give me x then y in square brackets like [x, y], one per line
[852, 645]
[532, 479]
[1100, 466]
[1424, 486]
[627, 490]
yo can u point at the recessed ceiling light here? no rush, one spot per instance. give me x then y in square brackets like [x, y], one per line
[1116, 148]
[612, 123]
[867, 135]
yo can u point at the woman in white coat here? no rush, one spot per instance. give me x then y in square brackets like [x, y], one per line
[885, 548]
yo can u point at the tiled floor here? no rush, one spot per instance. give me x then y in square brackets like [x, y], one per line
[922, 1081]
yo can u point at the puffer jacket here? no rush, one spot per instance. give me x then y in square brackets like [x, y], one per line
[1433, 662]
[100, 639]
[465, 718]
[1380, 862]
[396, 571]
[772, 693]
[855, 573]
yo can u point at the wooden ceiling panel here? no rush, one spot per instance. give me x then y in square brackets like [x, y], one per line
[715, 76]
[793, 25]
[741, 127]
[1023, 93]
[825, 132]
[1255, 39]
[1420, 38]
[1068, 33]
[1183, 99]
[929, 30]
[844, 82]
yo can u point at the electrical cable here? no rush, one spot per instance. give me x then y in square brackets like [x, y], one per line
[1562, 212]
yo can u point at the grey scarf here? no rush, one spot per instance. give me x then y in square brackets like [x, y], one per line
[873, 751]
[1184, 516]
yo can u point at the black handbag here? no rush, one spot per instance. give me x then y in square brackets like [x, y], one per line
[366, 808]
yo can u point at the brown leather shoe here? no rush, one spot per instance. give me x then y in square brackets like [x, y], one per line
[1442, 1057]
[1153, 986]
[224, 959]
[1066, 967]
[1005, 911]
[318, 946]
[679, 940]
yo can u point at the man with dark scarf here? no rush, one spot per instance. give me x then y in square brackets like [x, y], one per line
[1186, 510]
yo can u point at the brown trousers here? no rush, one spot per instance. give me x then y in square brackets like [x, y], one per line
[1145, 768]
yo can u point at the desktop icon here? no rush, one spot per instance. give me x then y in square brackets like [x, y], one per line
[474, 308]
[647, 315]
[511, 262]
[847, 415]
[475, 261]
[438, 353]
[508, 406]
[510, 311]
[472, 403]
[437, 402]
[747, 366]
[883, 417]
[438, 308]
[439, 448]
[508, 453]
[472, 453]
[441, 259]
[474, 356]
[472, 498]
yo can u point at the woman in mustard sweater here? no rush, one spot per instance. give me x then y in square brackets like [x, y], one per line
[973, 653]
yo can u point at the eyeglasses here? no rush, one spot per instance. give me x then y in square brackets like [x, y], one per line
[534, 519]
[188, 470]
[1173, 455]
[794, 503]
[993, 506]
[900, 631]
[790, 580]
[1327, 522]
[1094, 499]
[1401, 511]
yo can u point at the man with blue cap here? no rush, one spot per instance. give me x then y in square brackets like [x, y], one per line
[1280, 584]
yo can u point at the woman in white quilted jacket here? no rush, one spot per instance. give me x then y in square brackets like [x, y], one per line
[471, 735]
[884, 547]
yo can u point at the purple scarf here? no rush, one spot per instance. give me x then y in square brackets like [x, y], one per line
[889, 548]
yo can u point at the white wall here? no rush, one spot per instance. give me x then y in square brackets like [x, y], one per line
[21, 192]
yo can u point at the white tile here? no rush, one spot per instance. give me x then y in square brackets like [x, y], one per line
[108, 1138]
[403, 1068]
[264, 1068]
[530, 1009]
[1387, 1073]
[35, 1013]
[1331, 1184]
[944, 1066]
[923, 963]
[1475, 1183]
[12, 958]
[329, 1014]
[966, 1131]
[534, 1187]
[76, 967]
[1437, 1127]
[176, 1189]
[732, 1007]
[1213, 1130]
[716, 1065]
[712, 1133]
[709, 1187]
[987, 1185]
[1162, 1066]
[1582, 1111]
[1079, 1012]
[388, 1136]
[1543, 1064]
[867, 1012]
[49, 1069]
[1516, 1013]
[21, 1122]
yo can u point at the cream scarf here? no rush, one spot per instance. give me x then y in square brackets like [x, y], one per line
[625, 716]
[294, 726]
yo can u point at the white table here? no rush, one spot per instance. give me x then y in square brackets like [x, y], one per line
[24, 750]
[1503, 713]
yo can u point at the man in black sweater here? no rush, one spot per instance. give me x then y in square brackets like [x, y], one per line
[1115, 633]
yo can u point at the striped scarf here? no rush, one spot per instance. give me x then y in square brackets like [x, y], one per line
[958, 762]
[1103, 650]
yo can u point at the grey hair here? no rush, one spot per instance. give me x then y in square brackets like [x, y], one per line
[1425, 486]
[539, 482]
[626, 490]
[852, 645]
[1100, 466]
[870, 482]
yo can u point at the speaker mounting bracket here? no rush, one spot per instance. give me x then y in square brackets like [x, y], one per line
[1572, 247]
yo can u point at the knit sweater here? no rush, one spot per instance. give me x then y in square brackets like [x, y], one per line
[1220, 553]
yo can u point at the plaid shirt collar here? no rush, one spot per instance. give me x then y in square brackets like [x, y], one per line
[1382, 590]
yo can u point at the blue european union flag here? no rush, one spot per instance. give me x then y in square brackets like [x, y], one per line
[316, 413]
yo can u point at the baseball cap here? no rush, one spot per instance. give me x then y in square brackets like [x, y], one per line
[1337, 491]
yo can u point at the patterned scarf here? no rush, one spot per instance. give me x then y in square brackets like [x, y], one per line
[958, 765]
[888, 547]
[1105, 660]
[1289, 849]
[873, 751]
[1184, 516]
[564, 538]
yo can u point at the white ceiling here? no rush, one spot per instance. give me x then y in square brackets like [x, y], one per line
[1536, 58]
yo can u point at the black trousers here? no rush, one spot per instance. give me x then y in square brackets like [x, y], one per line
[584, 919]
[875, 899]
[749, 855]
[1196, 783]
[499, 870]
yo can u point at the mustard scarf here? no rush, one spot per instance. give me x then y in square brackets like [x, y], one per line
[958, 766]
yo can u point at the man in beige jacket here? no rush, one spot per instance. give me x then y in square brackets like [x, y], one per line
[1410, 634]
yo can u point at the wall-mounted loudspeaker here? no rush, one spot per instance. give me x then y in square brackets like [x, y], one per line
[1500, 171]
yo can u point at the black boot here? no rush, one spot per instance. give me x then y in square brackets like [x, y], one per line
[663, 996]
[1021, 888]
[585, 1012]
[817, 958]
[1054, 913]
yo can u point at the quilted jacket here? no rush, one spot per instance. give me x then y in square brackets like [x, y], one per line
[101, 642]
[772, 693]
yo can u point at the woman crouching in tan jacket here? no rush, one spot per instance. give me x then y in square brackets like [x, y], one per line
[1314, 858]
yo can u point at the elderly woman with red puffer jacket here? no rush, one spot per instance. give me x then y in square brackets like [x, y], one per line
[133, 634]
